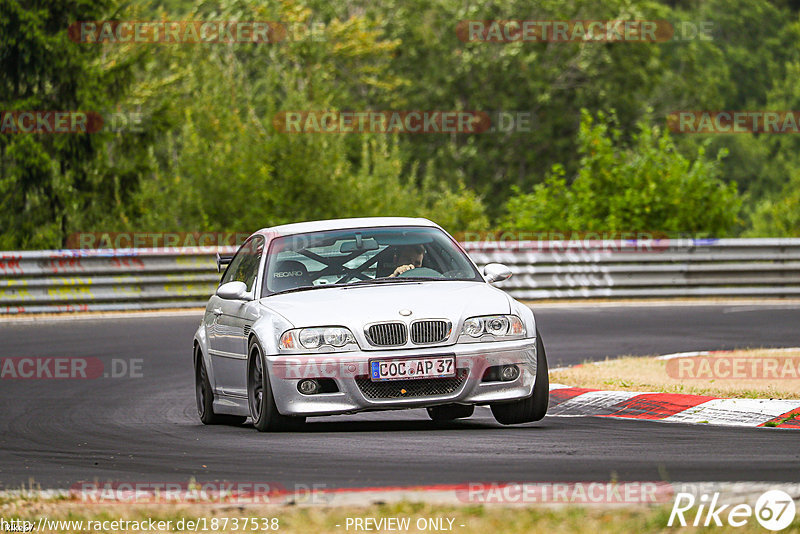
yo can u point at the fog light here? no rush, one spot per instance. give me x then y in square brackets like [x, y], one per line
[308, 386]
[510, 372]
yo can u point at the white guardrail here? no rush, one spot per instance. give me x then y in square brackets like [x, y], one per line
[135, 279]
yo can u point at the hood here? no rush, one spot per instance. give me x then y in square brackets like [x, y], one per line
[356, 306]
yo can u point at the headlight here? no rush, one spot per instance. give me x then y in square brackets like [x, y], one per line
[303, 339]
[497, 326]
[310, 338]
[335, 337]
[473, 327]
[492, 327]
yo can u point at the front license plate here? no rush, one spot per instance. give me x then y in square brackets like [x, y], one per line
[409, 368]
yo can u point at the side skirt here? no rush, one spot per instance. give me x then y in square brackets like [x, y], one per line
[226, 404]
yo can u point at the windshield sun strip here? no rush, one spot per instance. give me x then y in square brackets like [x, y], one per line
[333, 263]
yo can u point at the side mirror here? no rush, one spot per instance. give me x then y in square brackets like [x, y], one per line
[222, 261]
[496, 272]
[233, 291]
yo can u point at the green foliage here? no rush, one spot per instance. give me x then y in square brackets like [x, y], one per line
[210, 158]
[778, 215]
[47, 182]
[647, 186]
[550, 81]
[226, 167]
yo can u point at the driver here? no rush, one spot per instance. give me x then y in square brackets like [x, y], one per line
[408, 257]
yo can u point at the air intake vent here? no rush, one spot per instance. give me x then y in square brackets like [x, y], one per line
[387, 334]
[427, 332]
[405, 389]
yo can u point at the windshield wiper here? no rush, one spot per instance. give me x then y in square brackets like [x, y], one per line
[386, 280]
[374, 281]
[393, 279]
[308, 288]
[303, 288]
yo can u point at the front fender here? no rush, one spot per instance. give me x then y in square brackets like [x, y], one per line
[201, 341]
[526, 314]
[267, 330]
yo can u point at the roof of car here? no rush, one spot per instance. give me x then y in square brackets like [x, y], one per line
[343, 224]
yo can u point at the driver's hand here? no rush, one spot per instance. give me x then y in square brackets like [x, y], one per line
[400, 270]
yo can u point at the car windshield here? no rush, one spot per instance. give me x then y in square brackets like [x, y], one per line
[364, 256]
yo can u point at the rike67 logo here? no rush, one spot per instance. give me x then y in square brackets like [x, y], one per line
[774, 510]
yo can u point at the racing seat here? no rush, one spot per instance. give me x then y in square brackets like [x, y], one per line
[385, 264]
[289, 274]
[384, 269]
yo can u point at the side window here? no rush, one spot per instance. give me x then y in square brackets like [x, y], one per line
[244, 265]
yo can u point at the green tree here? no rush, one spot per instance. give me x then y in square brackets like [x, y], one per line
[225, 166]
[48, 182]
[777, 215]
[644, 186]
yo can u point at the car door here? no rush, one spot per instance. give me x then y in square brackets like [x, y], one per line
[228, 343]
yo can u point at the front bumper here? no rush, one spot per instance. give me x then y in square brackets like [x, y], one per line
[472, 360]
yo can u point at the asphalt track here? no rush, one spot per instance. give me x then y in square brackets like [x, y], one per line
[58, 432]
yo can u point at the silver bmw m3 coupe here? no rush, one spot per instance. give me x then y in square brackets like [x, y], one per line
[351, 315]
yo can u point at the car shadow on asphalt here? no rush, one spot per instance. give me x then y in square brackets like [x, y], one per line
[397, 425]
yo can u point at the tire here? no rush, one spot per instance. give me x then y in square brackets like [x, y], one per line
[532, 408]
[204, 396]
[265, 414]
[450, 412]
